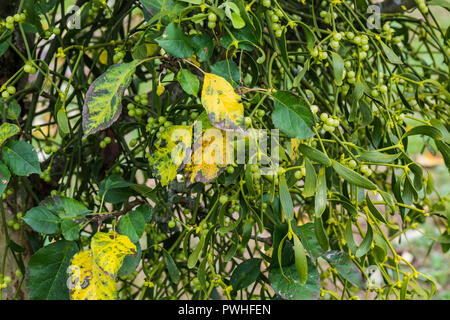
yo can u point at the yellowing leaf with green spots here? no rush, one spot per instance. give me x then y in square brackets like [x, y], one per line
[172, 151]
[93, 272]
[294, 151]
[7, 130]
[109, 250]
[223, 105]
[103, 58]
[102, 105]
[88, 281]
[212, 153]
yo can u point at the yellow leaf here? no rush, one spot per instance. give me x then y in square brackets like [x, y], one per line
[88, 281]
[172, 148]
[151, 48]
[223, 105]
[109, 250]
[93, 272]
[103, 58]
[212, 153]
[295, 153]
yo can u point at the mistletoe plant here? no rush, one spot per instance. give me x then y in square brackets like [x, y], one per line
[121, 125]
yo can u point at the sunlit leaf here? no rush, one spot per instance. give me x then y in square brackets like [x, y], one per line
[223, 105]
[172, 150]
[93, 272]
[7, 130]
[210, 156]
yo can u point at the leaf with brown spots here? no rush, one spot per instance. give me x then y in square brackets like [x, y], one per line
[212, 153]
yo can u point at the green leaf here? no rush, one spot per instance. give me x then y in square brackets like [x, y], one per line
[377, 157]
[245, 274]
[291, 116]
[310, 180]
[444, 238]
[195, 255]
[174, 273]
[7, 130]
[66, 207]
[132, 225]
[42, 220]
[374, 210]
[445, 150]
[188, 81]
[13, 108]
[364, 247]
[70, 230]
[5, 175]
[307, 234]
[301, 263]
[102, 104]
[4, 46]
[226, 69]
[338, 68]
[310, 37]
[47, 271]
[285, 198]
[424, 130]
[321, 233]
[203, 46]
[63, 121]
[353, 177]
[392, 57]
[349, 237]
[320, 202]
[21, 158]
[292, 289]
[345, 267]
[440, 3]
[314, 154]
[245, 37]
[175, 42]
[115, 189]
[131, 262]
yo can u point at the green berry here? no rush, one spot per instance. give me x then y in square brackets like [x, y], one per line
[5, 94]
[324, 116]
[212, 17]
[133, 143]
[107, 140]
[171, 224]
[223, 199]
[161, 119]
[102, 144]
[298, 174]
[16, 226]
[211, 25]
[266, 3]
[230, 170]
[11, 90]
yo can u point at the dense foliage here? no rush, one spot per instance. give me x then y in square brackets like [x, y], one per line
[108, 204]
